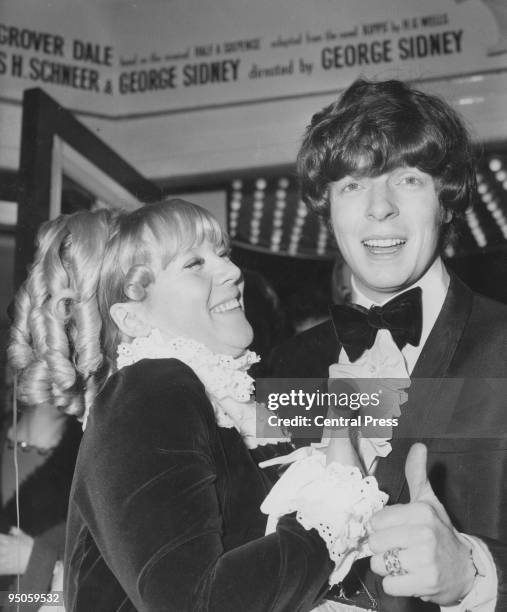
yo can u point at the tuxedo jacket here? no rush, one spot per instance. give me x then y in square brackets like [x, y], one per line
[462, 419]
[164, 510]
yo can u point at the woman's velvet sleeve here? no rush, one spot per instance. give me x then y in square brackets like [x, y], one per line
[151, 505]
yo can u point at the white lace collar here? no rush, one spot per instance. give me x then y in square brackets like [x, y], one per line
[222, 375]
[227, 382]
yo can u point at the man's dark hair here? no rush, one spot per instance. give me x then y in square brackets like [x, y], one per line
[375, 127]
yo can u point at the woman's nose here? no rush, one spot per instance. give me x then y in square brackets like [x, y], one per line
[228, 271]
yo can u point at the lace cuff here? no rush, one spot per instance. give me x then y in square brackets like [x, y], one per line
[333, 499]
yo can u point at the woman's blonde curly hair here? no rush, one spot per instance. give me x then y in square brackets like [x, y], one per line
[63, 339]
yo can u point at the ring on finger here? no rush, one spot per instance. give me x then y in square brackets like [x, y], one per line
[392, 562]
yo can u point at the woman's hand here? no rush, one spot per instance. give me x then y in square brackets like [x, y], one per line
[340, 450]
[15, 550]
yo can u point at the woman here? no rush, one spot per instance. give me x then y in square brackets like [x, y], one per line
[164, 511]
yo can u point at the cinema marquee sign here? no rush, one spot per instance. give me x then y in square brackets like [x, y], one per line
[322, 47]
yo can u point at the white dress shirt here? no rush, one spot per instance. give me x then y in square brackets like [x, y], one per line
[434, 285]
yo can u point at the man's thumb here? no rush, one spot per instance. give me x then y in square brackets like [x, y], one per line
[416, 474]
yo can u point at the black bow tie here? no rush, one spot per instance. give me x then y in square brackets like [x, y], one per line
[356, 327]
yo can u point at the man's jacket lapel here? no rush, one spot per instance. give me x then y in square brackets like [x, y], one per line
[430, 404]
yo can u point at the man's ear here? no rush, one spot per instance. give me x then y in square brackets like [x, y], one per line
[448, 215]
[129, 319]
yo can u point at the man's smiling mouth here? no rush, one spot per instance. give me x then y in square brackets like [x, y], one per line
[380, 246]
[384, 242]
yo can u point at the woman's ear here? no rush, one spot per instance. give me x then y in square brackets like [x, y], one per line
[129, 319]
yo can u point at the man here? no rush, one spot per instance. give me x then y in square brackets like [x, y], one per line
[391, 168]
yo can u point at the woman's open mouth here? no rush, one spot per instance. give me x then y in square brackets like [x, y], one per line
[226, 306]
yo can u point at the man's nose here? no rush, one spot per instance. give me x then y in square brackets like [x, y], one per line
[381, 201]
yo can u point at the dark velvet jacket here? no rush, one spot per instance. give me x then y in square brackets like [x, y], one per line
[464, 423]
[164, 510]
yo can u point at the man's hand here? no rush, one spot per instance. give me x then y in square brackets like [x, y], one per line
[435, 557]
[15, 550]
